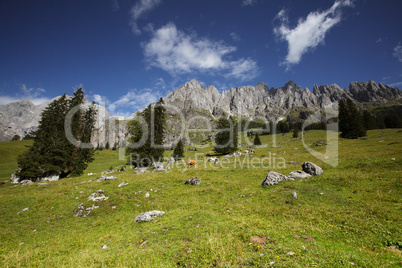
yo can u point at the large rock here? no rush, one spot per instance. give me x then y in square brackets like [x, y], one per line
[311, 168]
[158, 166]
[141, 170]
[26, 182]
[273, 178]
[97, 196]
[299, 175]
[148, 216]
[193, 181]
[54, 177]
[14, 178]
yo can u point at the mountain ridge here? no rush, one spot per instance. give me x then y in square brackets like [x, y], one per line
[192, 99]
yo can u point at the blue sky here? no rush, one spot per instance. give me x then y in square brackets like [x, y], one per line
[128, 53]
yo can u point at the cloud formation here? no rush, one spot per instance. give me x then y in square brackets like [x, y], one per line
[398, 52]
[139, 10]
[26, 93]
[309, 32]
[176, 52]
[129, 103]
[249, 2]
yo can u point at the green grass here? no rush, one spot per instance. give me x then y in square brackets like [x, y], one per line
[355, 221]
[9, 151]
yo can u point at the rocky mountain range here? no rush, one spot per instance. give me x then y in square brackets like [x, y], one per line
[193, 99]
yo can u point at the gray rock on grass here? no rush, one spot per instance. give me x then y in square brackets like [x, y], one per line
[141, 170]
[193, 181]
[311, 168]
[273, 178]
[148, 216]
[299, 175]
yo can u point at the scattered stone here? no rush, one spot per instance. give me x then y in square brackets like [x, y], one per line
[42, 183]
[146, 194]
[26, 182]
[321, 193]
[107, 172]
[121, 168]
[81, 211]
[141, 170]
[14, 178]
[290, 253]
[158, 166]
[148, 216]
[104, 247]
[21, 243]
[294, 195]
[311, 168]
[299, 175]
[193, 181]
[113, 207]
[295, 163]
[123, 184]
[97, 196]
[25, 209]
[171, 160]
[54, 177]
[104, 178]
[273, 178]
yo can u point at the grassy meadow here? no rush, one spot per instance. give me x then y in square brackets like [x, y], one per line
[350, 216]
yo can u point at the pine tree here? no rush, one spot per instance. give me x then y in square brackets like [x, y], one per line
[343, 119]
[295, 132]
[226, 136]
[159, 130]
[257, 140]
[350, 120]
[52, 152]
[178, 152]
[146, 140]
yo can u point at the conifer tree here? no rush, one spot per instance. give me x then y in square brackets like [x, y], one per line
[257, 140]
[295, 132]
[350, 120]
[146, 138]
[52, 152]
[226, 136]
[178, 152]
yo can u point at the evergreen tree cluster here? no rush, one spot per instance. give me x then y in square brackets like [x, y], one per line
[350, 120]
[52, 152]
[178, 152]
[226, 137]
[147, 134]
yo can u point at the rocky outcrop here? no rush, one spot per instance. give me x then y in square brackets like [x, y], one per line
[193, 99]
[148, 216]
[294, 175]
[193, 181]
[373, 92]
[312, 168]
[273, 178]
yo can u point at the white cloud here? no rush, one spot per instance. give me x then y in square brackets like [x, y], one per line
[176, 52]
[243, 69]
[249, 2]
[398, 52]
[379, 40]
[129, 103]
[139, 10]
[235, 36]
[309, 32]
[397, 84]
[26, 93]
[115, 5]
